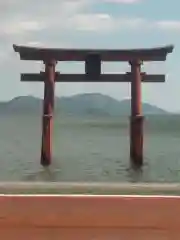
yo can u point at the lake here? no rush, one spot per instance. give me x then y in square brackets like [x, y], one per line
[88, 149]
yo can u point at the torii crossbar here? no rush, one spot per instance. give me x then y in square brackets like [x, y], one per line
[93, 59]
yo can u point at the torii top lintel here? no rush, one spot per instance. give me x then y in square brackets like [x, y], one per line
[62, 54]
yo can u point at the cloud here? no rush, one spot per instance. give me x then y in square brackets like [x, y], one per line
[25, 19]
[30, 21]
[169, 25]
[92, 22]
[123, 1]
[24, 11]
[131, 23]
[101, 23]
[60, 22]
[21, 26]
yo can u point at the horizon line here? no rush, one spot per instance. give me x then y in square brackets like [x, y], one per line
[89, 93]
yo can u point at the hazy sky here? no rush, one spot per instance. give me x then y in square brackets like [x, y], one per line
[91, 23]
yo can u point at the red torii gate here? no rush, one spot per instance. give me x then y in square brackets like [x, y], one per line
[93, 58]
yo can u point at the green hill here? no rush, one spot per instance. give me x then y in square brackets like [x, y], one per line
[81, 104]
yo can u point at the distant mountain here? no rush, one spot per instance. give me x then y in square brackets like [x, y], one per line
[21, 104]
[81, 104]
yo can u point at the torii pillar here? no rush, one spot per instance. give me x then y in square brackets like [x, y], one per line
[136, 119]
[48, 109]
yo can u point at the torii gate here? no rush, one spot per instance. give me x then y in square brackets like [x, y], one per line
[93, 58]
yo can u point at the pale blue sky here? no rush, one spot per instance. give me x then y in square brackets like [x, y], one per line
[91, 23]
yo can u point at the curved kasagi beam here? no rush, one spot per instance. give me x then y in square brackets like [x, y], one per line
[62, 54]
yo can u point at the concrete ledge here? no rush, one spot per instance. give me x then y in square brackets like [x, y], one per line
[88, 188]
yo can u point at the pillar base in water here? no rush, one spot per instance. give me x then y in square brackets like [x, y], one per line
[46, 149]
[136, 140]
[45, 162]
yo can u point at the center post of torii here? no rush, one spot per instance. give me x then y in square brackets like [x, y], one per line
[93, 59]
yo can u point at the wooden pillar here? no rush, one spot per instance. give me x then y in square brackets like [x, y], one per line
[136, 121]
[48, 107]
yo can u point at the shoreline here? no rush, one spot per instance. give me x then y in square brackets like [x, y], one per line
[96, 188]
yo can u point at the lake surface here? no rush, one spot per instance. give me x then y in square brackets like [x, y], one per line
[88, 149]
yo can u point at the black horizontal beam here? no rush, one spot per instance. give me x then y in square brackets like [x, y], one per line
[40, 77]
[58, 54]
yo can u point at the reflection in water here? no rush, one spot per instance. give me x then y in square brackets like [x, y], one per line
[52, 174]
[45, 174]
[135, 175]
[138, 174]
